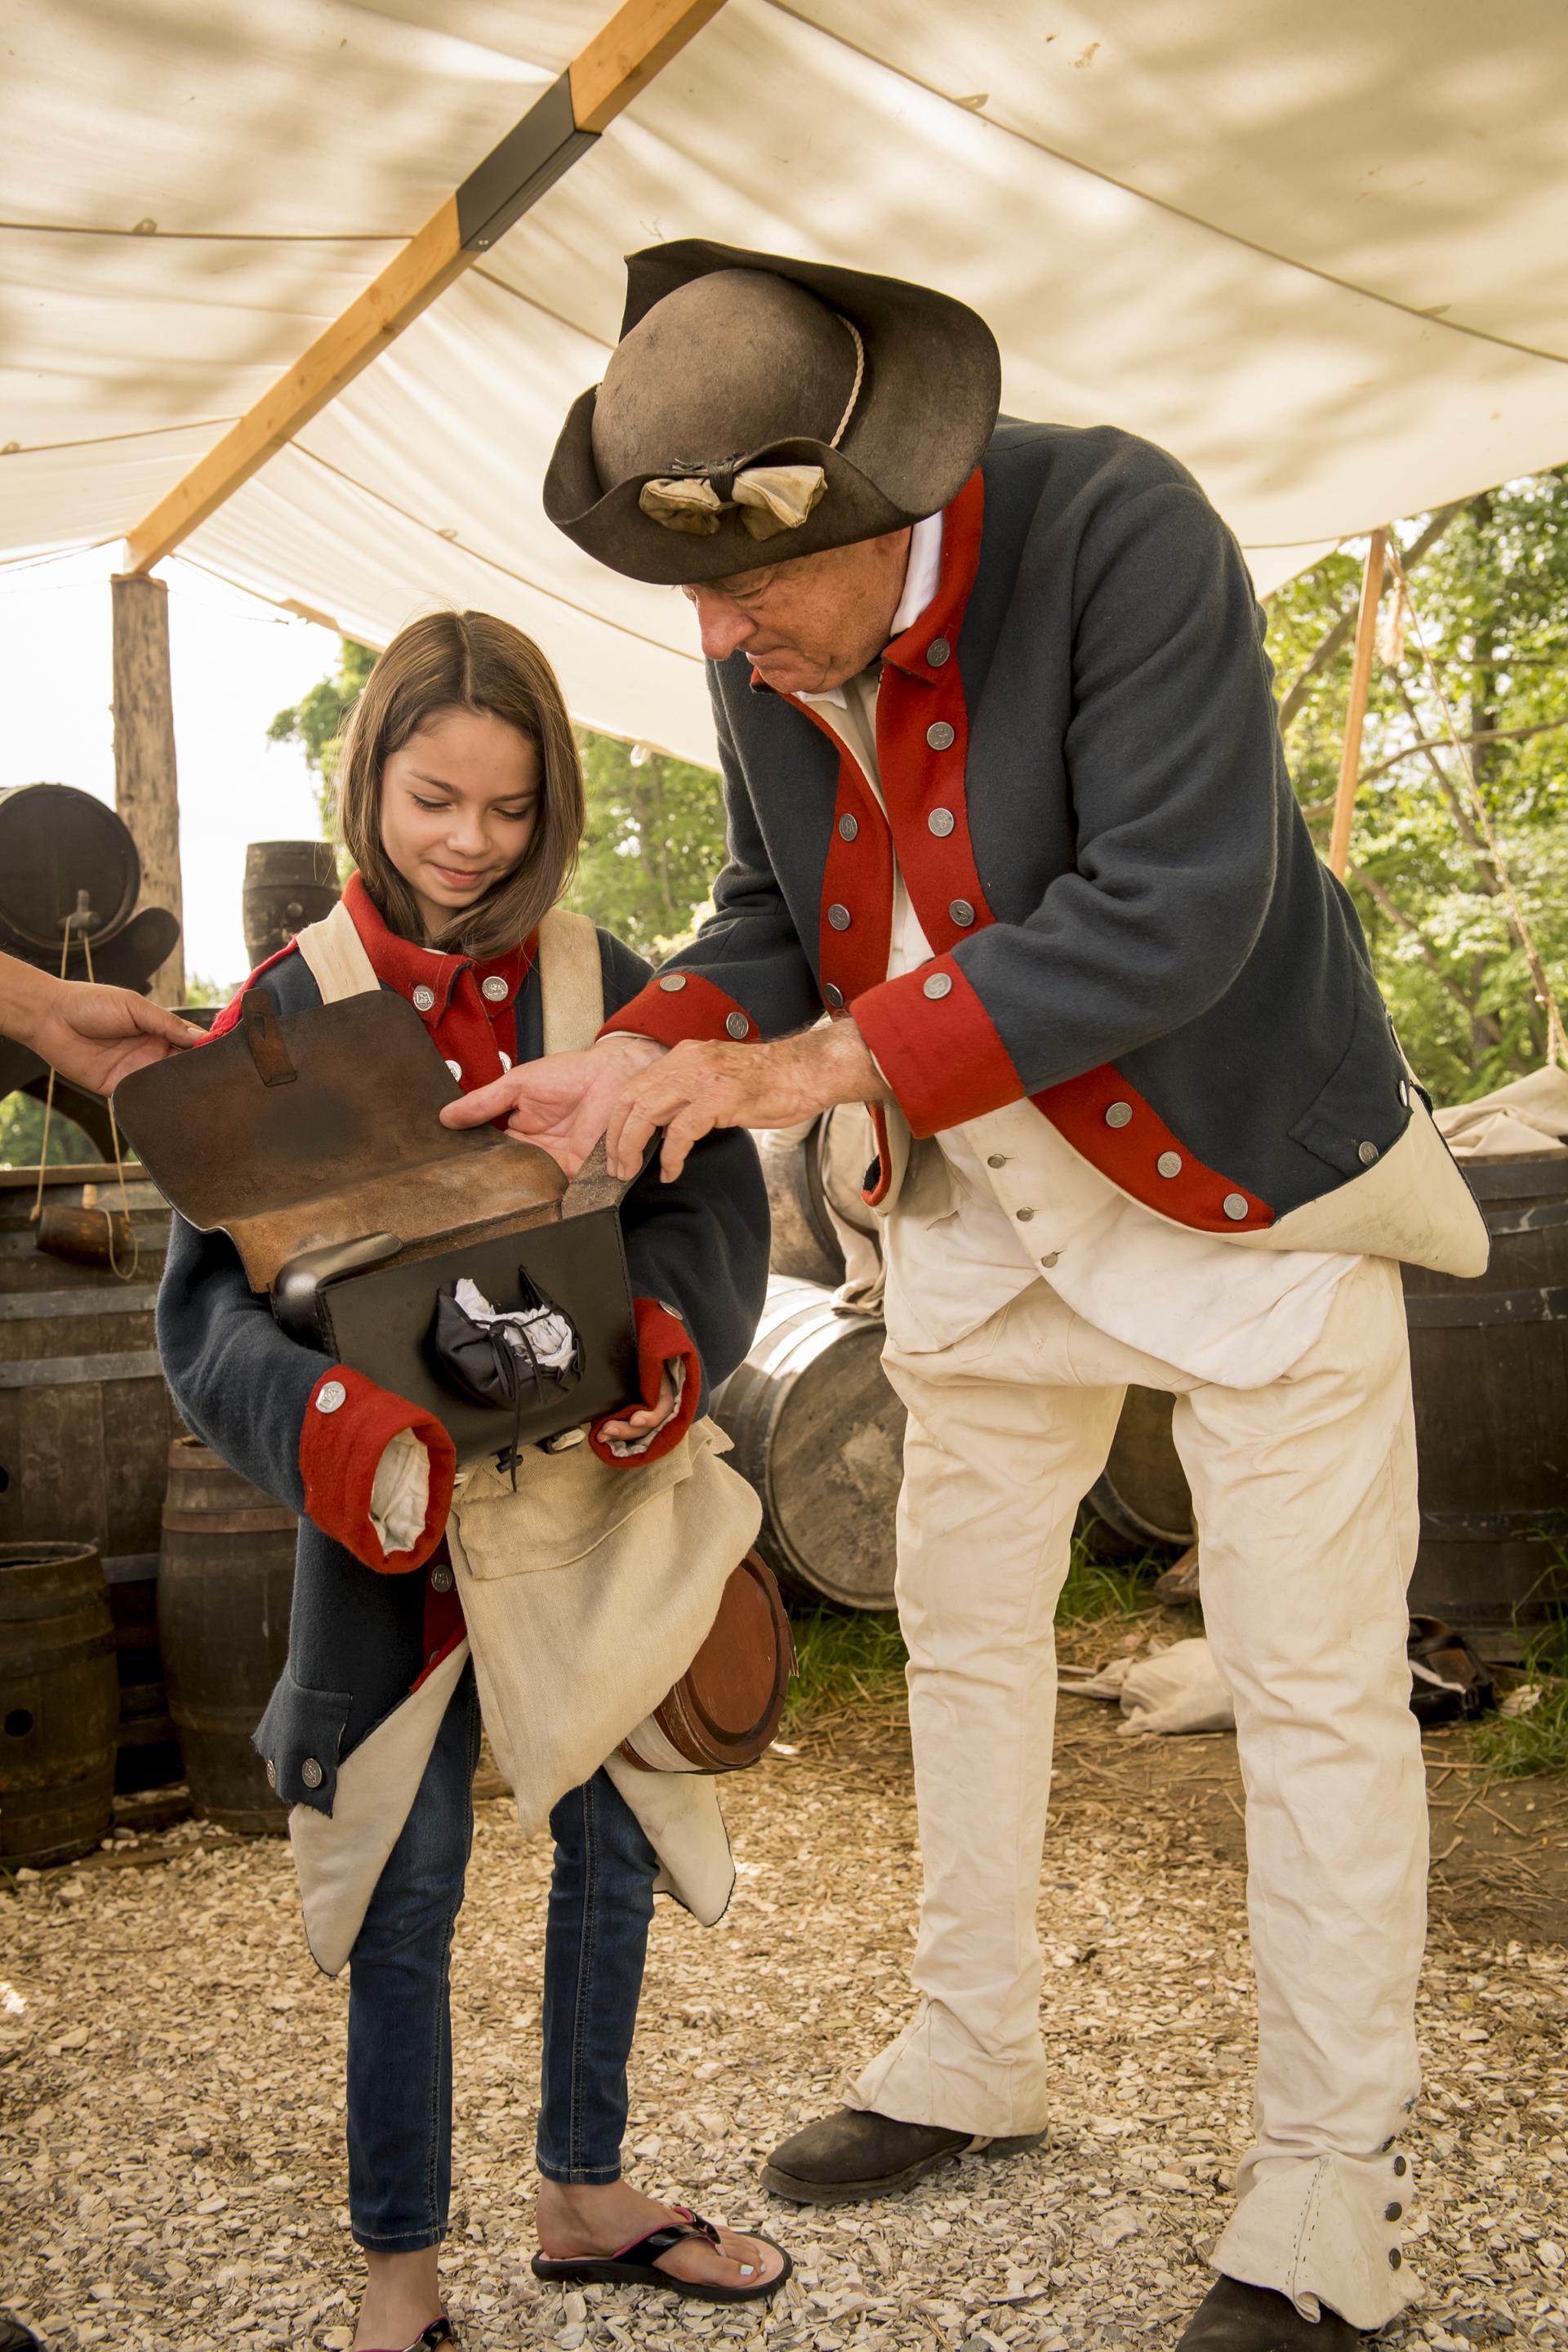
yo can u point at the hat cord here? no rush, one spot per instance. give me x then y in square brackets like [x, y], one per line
[860, 377]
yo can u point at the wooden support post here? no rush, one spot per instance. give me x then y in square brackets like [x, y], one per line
[562, 124]
[146, 789]
[1361, 686]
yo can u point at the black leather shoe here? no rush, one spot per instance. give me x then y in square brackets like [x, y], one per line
[1232, 2317]
[857, 2154]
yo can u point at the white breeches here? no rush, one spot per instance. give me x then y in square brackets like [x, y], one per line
[1304, 1493]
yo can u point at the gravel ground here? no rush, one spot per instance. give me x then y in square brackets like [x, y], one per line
[170, 2061]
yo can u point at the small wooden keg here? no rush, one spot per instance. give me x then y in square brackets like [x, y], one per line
[1141, 1502]
[287, 885]
[226, 1580]
[819, 1433]
[60, 1703]
[64, 854]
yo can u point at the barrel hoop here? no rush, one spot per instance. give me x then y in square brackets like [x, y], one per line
[26, 1306]
[1539, 1218]
[1457, 1309]
[1550, 1522]
[26, 1665]
[272, 1521]
[72, 1372]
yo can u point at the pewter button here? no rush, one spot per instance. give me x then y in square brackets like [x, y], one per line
[1052, 1259]
[937, 652]
[666, 1307]
[1366, 1153]
[831, 995]
[1169, 1163]
[330, 1396]
[736, 1023]
[456, 1067]
[839, 918]
[1404, 1094]
[271, 1773]
[1391, 2213]
[1119, 1114]
[506, 1062]
[441, 1578]
[1235, 1207]
[939, 735]
[670, 980]
[310, 1773]
[849, 827]
[424, 999]
[1400, 2167]
[938, 984]
[1024, 1215]
[494, 988]
[996, 1159]
[962, 913]
[941, 822]
[1394, 2258]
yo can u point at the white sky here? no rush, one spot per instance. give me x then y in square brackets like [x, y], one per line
[235, 661]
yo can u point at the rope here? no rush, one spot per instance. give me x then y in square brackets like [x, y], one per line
[1556, 1045]
[121, 1274]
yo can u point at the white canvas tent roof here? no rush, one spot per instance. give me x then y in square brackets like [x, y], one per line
[1316, 252]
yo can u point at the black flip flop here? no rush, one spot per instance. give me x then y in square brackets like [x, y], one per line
[634, 2264]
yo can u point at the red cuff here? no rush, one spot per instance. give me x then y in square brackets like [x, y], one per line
[937, 1046]
[695, 1009]
[349, 1425]
[662, 1338]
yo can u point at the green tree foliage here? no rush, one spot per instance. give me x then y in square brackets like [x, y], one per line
[1490, 595]
[22, 1136]
[316, 722]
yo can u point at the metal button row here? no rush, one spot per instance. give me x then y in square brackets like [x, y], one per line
[736, 1023]
[937, 652]
[671, 981]
[424, 999]
[311, 1773]
[940, 736]
[440, 1577]
[1169, 1163]
[495, 988]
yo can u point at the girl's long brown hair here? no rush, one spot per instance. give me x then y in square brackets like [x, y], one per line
[464, 661]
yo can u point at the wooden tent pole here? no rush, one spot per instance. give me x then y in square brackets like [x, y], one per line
[620, 60]
[146, 788]
[1356, 717]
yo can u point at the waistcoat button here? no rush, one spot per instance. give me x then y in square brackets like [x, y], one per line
[441, 1578]
[938, 984]
[494, 988]
[1052, 1259]
[736, 1023]
[424, 999]
[310, 1773]
[671, 981]
[1235, 1207]
[996, 1159]
[1022, 1215]
[839, 918]
[1169, 1163]
[1394, 2258]
[1400, 2167]
[939, 735]
[831, 995]
[1118, 1115]
[941, 822]
[1366, 1153]
[456, 1067]
[849, 827]
[937, 652]
[330, 1396]
[1391, 2213]
[962, 913]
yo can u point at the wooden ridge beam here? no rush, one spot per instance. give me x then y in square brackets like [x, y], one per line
[561, 125]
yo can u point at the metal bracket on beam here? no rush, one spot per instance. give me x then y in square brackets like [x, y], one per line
[521, 168]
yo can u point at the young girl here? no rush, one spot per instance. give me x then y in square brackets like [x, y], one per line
[461, 803]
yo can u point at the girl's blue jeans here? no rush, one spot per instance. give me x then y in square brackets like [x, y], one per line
[400, 2039]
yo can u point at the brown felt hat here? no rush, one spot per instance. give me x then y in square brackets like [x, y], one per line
[758, 408]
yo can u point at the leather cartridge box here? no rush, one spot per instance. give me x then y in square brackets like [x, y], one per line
[312, 1140]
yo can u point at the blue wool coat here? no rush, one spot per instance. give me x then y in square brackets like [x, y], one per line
[360, 1637]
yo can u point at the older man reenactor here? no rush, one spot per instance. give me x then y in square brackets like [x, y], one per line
[1015, 858]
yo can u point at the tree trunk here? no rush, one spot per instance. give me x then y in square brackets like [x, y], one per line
[146, 790]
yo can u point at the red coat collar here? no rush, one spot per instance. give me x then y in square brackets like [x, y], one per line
[406, 967]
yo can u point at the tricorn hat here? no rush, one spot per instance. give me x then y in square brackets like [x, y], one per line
[758, 408]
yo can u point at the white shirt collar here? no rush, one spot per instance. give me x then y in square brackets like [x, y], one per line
[922, 575]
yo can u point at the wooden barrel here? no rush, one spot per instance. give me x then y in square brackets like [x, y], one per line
[1488, 1362]
[85, 1418]
[819, 1433]
[146, 1746]
[59, 1702]
[226, 1580]
[56, 845]
[288, 884]
[806, 1172]
[1141, 1502]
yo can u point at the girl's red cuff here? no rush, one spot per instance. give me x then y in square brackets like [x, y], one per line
[662, 1338]
[349, 1425]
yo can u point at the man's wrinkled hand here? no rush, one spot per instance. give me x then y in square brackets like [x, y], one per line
[698, 1086]
[562, 1102]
